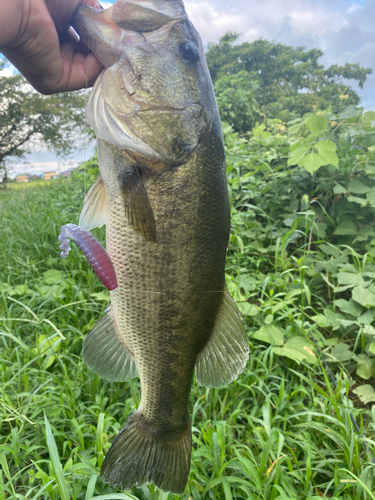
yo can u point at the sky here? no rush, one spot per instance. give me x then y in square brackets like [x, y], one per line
[343, 29]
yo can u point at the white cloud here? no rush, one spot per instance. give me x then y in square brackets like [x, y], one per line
[343, 30]
[254, 18]
[6, 72]
[354, 8]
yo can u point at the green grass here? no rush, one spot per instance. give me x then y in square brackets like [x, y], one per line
[281, 431]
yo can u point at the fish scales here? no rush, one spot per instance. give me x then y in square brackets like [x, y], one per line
[167, 298]
[162, 194]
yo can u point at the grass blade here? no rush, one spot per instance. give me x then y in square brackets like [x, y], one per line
[116, 496]
[4, 465]
[91, 487]
[56, 464]
[99, 439]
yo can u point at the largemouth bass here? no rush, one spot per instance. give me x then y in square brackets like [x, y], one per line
[162, 194]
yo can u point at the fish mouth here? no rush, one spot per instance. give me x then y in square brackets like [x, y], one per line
[103, 29]
[96, 30]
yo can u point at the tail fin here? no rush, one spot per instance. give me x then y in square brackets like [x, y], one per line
[137, 456]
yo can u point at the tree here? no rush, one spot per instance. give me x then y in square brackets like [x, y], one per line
[237, 100]
[25, 115]
[290, 81]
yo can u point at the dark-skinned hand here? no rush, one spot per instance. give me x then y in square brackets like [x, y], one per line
[35, 36]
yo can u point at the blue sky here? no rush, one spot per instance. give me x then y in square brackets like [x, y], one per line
[343, 29]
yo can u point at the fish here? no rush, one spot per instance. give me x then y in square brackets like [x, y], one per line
[162, 194]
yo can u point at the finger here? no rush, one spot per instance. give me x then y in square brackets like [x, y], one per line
[79, 70]
[62, 11]
[69, 37]
[82, 47]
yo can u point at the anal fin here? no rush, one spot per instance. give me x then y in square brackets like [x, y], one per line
[105, 353]
[94, 211]
[138, 209]
[225, 355]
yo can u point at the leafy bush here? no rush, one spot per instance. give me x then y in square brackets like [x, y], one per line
[303, 213]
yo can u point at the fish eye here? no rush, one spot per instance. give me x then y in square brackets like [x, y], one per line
[189, 52]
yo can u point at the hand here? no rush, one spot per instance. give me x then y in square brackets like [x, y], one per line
[36, 37]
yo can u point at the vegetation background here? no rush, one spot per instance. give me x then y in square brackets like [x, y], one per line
[301, 175]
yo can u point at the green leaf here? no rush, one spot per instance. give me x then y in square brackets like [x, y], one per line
[316, 123]
[4, 286]
[270, 334]
[102, 296]
[298, 151]
[365, 233]
[369, 331]
[346, 228]
[303, 346]
[348, 307]
[369, 117]
[358, 187]
[339, 189]
[312, 162]
[321, 321]
[333, 318]
[363, 297]
[56, 464]
[293, 293]
[350, 279]
[247, 309]
[356, 199]
[371, 197]
[341, 352]
[52, 276]
[365, 393]
[350, 112]
[367, 317]
[290, 353]
[372, 348]
[365, 367]
[329, 250]
[327, 150]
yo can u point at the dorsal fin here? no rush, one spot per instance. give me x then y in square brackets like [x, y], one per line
[94, 211]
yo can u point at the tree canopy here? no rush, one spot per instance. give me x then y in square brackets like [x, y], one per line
[25, 115]
[276, 80]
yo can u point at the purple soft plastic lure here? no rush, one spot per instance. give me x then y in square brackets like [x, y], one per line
[93, 251]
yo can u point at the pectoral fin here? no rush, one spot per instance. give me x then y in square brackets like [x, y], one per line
[105, 353]
[94, 211]
[225, 355]
[138, 210]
